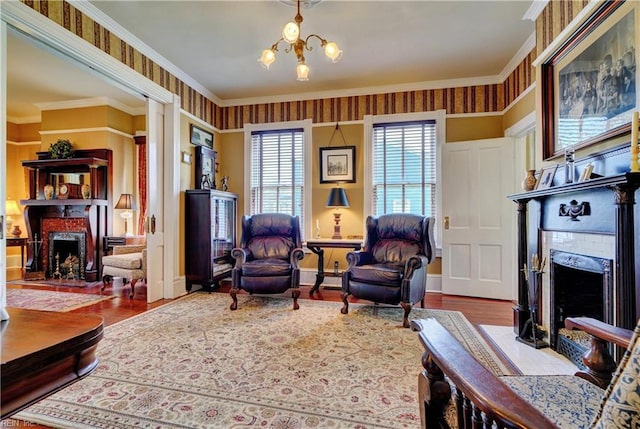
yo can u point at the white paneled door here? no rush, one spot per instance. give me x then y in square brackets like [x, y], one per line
[479, 221]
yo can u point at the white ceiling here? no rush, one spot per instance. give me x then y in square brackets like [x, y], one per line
[214, 45]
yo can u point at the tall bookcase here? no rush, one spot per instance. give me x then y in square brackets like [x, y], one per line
[210, 234]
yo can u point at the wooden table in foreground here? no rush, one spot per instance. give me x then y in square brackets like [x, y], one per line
[42, 352]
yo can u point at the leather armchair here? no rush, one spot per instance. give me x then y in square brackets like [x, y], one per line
[268, 259]
[392, 267]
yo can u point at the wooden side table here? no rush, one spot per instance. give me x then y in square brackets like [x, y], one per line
[318, 245]
[18, 241]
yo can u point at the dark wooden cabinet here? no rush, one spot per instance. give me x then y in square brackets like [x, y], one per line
[210, 234]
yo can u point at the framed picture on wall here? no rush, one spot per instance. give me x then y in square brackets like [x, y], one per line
[200, 137]
[338, 164]
[589, 83]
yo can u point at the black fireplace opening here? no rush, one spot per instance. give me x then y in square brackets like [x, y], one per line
[67, 255]
[580, 286]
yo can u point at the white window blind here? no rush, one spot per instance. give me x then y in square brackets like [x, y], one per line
[404, 168]
[277, 172]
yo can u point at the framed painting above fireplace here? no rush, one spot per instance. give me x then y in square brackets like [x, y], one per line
[589, 83]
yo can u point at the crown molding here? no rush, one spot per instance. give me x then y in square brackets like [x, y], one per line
[370, 90]
[29, 143]
[114, 27]
[91, 102]
[29, 21]
[60, 41]
[534, 11]
[522, 53]
[24, 120]
[86, 130]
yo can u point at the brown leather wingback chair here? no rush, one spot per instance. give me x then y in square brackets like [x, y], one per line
[268, 259]
[392, 267]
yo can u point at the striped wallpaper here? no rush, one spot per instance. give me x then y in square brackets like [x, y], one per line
[471, 99]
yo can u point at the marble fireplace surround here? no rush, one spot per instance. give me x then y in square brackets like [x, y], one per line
[605, 230]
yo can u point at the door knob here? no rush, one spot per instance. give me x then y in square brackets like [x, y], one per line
[446, 222]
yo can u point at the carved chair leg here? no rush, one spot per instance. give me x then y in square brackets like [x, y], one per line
[407, 309]
[345, 307]
[295, 294]
[133, 285]
[106, 279]
[233, 292]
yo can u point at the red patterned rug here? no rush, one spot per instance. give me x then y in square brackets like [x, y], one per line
[46, 300]
[193, 363]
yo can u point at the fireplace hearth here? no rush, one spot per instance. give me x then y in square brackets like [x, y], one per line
[67, 252]
[580, 285]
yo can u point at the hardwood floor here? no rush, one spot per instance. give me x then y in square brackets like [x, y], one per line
[477, 310]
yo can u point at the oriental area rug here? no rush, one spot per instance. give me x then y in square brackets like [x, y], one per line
[193, 363]
[45, 300]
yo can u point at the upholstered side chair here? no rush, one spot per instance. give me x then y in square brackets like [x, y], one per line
[127, 261]
[392, 267]
[268, 259]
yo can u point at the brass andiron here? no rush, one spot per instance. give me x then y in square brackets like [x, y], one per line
[57, 274]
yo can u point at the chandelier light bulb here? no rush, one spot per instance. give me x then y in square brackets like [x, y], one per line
[291, 32]
[268, 57]
[303, 72]
[332, 51]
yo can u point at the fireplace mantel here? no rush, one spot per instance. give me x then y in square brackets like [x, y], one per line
[74, 214]
[610, 199]
[628, 179]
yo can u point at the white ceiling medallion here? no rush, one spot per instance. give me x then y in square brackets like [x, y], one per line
[306, 4]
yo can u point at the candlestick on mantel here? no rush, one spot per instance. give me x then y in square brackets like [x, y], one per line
[634, 143]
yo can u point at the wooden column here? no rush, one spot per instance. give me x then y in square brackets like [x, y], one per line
[521, 310]
[626, 316]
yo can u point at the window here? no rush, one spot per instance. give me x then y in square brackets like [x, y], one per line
[404, 168]
[276, 179]
[402, 156]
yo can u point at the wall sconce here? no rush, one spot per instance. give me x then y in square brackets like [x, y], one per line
[337, 199]
[126, 203]
[13, 210]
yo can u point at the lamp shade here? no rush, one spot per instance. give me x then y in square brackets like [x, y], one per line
[337, 198]
[12, 208]
[125, 202]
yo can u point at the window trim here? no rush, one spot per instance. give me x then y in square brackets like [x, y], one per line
[369, 121]
[306, 126]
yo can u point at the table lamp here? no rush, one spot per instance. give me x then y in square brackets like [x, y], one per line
[337, 199]
[13, 210]
[126, 203]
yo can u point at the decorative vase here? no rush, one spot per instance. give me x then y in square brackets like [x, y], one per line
[16, 232]
[529, 182]
[86, 191]
[48, 192]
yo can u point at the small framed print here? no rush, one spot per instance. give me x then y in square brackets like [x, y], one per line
[546, 177]
[201, 137]
[338, 164]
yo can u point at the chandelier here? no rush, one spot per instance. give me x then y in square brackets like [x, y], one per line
[291, 35]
